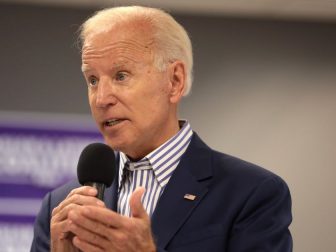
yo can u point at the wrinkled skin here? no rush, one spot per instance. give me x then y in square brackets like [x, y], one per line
[61, 238]
[82, 223]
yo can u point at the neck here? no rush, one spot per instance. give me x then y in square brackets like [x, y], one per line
[161, 137]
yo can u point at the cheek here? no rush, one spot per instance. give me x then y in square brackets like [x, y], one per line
[93, 109]
[159, 101]
[157, 108]
[145, 110]
[91, 99]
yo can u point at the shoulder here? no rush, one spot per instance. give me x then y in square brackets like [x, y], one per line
[232, 171]
[247, 187]
[231, 166]
[242, 174]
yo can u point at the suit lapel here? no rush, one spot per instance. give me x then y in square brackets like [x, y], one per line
[111, 193]
[190, 177]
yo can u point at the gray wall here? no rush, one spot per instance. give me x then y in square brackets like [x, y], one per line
[264, 91]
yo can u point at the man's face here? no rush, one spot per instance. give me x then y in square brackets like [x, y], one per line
[128, 96]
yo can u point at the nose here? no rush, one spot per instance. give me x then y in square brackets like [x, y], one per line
[105, 94]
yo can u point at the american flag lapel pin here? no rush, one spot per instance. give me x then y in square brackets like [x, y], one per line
[189, 196]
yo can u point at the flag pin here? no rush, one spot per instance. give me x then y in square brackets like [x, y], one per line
[189, 196]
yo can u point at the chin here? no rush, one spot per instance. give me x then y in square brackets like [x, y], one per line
[115, 144]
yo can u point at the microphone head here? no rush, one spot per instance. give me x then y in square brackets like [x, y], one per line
[96, 164]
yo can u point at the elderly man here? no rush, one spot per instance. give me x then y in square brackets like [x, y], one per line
[172, 192]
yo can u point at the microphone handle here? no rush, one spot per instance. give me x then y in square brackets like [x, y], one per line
[100, 188]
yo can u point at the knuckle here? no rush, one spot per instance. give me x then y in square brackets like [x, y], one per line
[122, 239]
[129, 225]
[69, 207]
[72, 192]
[54, 211]
[96, 227]
[94, 237]
[96, 249]
[75, 198]
[85, 189]
[61, 205]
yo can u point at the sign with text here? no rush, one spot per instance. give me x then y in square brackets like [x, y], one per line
[33, 161]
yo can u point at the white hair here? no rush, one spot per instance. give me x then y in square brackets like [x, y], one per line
[171, 39]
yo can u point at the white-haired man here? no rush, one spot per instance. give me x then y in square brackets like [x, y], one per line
[172, 192]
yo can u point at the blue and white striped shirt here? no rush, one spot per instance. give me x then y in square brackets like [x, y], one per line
[152, 172]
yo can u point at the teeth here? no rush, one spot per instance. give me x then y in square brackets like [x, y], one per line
[112, 122]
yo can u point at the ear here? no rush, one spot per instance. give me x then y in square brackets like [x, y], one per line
[177, 79]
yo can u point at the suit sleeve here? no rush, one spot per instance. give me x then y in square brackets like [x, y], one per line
[262, 225]
[41, 240]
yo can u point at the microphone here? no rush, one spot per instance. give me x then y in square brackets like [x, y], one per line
[96, 167]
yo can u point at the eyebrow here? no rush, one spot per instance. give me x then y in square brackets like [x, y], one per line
[115, 66]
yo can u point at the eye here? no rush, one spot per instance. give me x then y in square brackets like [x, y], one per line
[121, 76]
[93, 81]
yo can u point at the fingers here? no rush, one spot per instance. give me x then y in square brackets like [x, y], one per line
[102, 215]
[84, 190]
[79, 196]
[60, 235]
[113, 219]
[77, 219]
[85, 246]
[91, 233]
[61, 212]
[95, 238]
[97, 228]
[62, 227]
[91, 226]
[74, 196]
[136, 206]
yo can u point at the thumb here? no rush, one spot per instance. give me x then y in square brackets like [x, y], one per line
[136, 206]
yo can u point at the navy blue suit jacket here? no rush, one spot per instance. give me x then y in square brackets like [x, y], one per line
[239, 206]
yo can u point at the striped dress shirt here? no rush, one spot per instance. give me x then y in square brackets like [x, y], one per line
[151, 172]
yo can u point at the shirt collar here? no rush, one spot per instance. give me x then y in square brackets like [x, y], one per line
[162, 157]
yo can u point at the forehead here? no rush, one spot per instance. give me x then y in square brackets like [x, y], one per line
[125, 41]
[138, 33]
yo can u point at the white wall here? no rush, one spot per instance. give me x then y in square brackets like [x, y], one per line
[266, 92]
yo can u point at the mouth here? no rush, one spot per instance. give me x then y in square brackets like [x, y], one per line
[112, 122]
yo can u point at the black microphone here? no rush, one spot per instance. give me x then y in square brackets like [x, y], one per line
[96, 167]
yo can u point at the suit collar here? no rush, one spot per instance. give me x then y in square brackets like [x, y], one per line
[190, 177]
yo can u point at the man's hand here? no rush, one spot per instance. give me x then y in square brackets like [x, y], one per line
[100, 229]
[60, 235]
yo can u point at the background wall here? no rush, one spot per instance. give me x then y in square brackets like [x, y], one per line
[264, 90]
